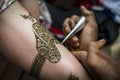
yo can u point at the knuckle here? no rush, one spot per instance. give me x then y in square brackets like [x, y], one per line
[66, 20]
[74, 16]
[64, 25]
[91, 44]
[94, 25]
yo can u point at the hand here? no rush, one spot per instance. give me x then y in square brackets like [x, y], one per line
[99, 64]
[88, 34]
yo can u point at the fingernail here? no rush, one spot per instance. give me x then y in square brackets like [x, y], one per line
[83, 7]
[75, 38]
[65, 25]
[77, 45]
[73, 24]
[103, 40]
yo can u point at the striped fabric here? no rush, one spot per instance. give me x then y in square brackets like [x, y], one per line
[4, 4]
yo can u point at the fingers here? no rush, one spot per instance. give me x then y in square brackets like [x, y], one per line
[75, 18]
[93, 53]
[90, 16]
[68, 25]
[66, 28]
[89, 32]
[93, 50]
[92, 61]
[94, 47]
[100, 43]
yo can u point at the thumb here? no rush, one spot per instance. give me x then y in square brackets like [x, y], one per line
[100, 43]
[90, 16]
[94, 47]
[94, 52]
[84, 11]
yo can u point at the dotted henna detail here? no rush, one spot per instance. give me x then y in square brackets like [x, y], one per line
[72, 77]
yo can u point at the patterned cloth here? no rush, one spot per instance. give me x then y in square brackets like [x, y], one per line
[113, 11]
[45, 17]
[114, 8]
[4, 4]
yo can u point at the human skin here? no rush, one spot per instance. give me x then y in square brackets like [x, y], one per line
[99, 64]
[32, 7]
[89, 32]
[18, 44]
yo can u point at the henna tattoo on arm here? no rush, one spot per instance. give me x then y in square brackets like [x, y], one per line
[72, 77]
[45, 45]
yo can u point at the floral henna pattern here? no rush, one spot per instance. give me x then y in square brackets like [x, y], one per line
[45, 45]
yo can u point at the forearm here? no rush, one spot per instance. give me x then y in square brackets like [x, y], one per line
[31, 6]
[18, 43]
[15, 34]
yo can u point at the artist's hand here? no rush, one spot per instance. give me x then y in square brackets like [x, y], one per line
[99, 64]
[88, 34]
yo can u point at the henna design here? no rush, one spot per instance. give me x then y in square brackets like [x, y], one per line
[72, 77]
[37, 65]
[45, 45]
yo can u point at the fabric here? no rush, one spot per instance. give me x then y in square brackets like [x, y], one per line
[58, 16]
[46, 21]
[45, 17]
[4, 4]
[113, 11]
[90, 4]
[108, 29]
[114, 8]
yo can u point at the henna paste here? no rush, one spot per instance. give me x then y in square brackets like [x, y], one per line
[45, 45]
[72, 77]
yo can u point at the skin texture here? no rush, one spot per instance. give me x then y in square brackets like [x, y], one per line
[18, 45]
[32, 7]
[89, 33]
[45, 45]
[10, 72]
[99, 64]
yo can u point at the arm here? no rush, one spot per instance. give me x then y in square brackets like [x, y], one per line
[18, 44]
[32, 7]
[99, 64]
